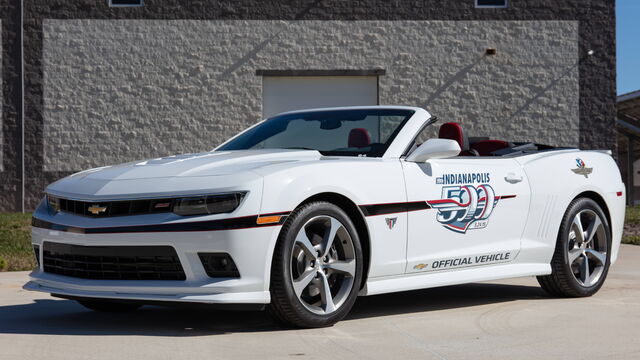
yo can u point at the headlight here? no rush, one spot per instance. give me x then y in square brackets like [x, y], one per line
[208, 204]
[54, 203]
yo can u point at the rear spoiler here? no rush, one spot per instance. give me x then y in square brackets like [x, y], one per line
[608, 152]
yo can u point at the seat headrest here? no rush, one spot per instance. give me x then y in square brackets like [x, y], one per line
[453, 131]
[486, 147]
[359, 137]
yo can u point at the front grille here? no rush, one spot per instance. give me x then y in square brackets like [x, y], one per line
[116, 208]
[112, 262]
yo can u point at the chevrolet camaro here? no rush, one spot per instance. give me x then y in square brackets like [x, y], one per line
[305, 211]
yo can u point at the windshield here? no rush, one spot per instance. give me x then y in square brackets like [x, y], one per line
[361, 132]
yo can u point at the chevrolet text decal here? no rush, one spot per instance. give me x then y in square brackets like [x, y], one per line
[465, 261]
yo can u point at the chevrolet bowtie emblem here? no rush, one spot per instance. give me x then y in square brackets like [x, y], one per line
[97, 209]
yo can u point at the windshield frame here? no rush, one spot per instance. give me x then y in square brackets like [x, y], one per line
[407, 112]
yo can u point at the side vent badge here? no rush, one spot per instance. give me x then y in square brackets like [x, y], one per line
[391, 222]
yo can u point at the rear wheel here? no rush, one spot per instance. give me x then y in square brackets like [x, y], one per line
[317, 267]
[581, 260]
[109, 306]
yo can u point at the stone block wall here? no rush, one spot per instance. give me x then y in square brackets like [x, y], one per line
[121, 90]
[10, 107]
[105, 85]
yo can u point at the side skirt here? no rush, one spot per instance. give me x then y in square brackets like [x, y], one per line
[383, 285]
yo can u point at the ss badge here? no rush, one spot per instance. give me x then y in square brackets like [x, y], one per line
[391, 222]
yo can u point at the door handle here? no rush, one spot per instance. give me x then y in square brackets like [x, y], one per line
[513, 178]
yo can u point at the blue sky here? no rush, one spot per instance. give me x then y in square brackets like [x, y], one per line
[628, 45]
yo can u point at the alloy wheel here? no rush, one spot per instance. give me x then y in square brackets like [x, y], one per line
[323, 265]
[587, 250]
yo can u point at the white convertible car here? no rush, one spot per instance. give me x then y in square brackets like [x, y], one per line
[307, 210]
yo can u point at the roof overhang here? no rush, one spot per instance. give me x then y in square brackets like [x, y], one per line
[629, 113]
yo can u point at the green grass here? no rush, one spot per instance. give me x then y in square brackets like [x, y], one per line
[633, 215]
[631, 239]
[16, 252]
[632, 226]
[15, 242]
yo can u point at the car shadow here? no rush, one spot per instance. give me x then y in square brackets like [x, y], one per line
[442, 298]
[66, 317]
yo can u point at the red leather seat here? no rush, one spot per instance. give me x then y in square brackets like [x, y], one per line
[453, 131]
[486, 147]
[359, 138]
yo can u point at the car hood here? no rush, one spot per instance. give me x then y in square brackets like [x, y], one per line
[213, 163]
[180, 173]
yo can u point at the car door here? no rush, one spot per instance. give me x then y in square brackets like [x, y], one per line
[478, 210]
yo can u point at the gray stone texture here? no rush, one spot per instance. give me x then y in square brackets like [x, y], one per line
[119, 90]
[596, 31]
[1, 102]
[10, 106]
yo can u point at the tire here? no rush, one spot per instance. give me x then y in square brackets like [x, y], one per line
[109, 306]
[304, 273]
[570, 275]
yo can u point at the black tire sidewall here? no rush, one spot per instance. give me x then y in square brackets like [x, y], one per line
[282, 268]
[575, 207]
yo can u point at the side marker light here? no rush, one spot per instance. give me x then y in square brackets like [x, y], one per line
[268, 219]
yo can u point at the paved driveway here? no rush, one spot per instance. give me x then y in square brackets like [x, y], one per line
[510, 319]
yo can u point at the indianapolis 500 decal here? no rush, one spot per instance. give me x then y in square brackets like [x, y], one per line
[465, 207]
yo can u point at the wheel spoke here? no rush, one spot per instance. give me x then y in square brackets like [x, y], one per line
[594, 227]
[587, 251]
[303, 240]
[330, 235]
[600, 257]
[323, 262]
[584, 270]
[574, 254]
[578, 229]
[304, 280]
[346, 267]
[325, 294]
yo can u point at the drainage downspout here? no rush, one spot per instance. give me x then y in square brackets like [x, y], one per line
[21, 196]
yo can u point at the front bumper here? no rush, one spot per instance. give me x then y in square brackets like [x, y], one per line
[251, 249]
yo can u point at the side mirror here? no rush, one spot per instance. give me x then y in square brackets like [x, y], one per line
[434, 149]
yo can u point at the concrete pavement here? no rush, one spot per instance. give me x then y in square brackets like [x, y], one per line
[511, 319]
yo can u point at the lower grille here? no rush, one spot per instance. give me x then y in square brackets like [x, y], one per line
[112, 262]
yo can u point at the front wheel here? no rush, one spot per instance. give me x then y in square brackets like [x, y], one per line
[317, 267]
[583, 250]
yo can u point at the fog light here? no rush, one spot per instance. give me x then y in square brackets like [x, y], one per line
[36, 251]
[219, 265]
